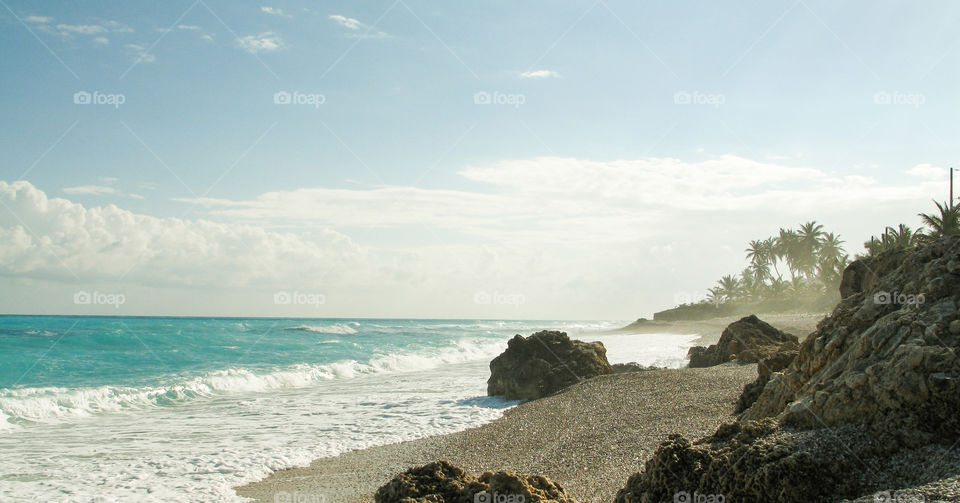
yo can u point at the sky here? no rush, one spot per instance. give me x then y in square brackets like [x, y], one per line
[526, 160]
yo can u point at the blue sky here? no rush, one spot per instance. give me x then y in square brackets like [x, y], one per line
[400, 165]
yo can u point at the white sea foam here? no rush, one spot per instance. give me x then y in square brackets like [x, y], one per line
[338, 328]
[52, 404]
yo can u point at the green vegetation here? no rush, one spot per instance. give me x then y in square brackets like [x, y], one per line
[945, 222]
[814, 260]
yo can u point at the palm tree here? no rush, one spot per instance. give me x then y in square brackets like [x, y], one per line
[809, 239]
[769, 249]
[944, 224]
[787, 248]
[729, 287]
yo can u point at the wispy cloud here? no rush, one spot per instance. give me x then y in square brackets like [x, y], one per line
[358, 26]
[273, 11]
[264, 42]
[38, 19]
[540, 74]
[139, 53]
[90, 190]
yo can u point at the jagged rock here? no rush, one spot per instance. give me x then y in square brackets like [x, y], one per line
[885, 357]
[544, 363]
[765, 369]
[441, 482]
[620, 368]
[879, 378]
[752, 462]
[747, 340]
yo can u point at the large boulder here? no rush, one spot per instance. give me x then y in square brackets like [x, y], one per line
[747, 340]
[441, 482]
[870, 403]
[543, 364]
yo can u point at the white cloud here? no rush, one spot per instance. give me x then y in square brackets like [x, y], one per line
[139, 54]
[264, 42]
[357, 25]
[539, 74]
[81, 29]
[929, 172]
[273, 11]
[38, 19]
[56, 238]
[109, 179]
[188, 27]
[101, 40]
[91, 190]
[577, 238]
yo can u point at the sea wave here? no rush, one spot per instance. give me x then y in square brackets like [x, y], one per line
[339, 328]
[56, 404]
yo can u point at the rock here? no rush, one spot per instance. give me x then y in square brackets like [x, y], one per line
[543, 364]
[877, 379]
[747, 340]
[765, 369]
[620, 368]
[441, 482]
[856, 278]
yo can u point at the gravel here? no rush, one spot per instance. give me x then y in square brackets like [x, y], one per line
[590, 438]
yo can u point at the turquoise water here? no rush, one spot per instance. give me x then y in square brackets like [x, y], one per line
[185, 409]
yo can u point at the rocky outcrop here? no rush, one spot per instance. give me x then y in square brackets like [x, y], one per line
[543, 364]
[621, 368]
[765, 370]
[878, 379]
[747, 340]
[441, 482]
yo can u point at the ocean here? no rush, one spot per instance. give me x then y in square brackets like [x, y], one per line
[185, 409]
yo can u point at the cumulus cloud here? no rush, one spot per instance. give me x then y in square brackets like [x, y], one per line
[264, 42]
[580, 237]
[56, 238]
[539, 74]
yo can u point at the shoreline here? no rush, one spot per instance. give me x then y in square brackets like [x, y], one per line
[628, 416]
[590, 437]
